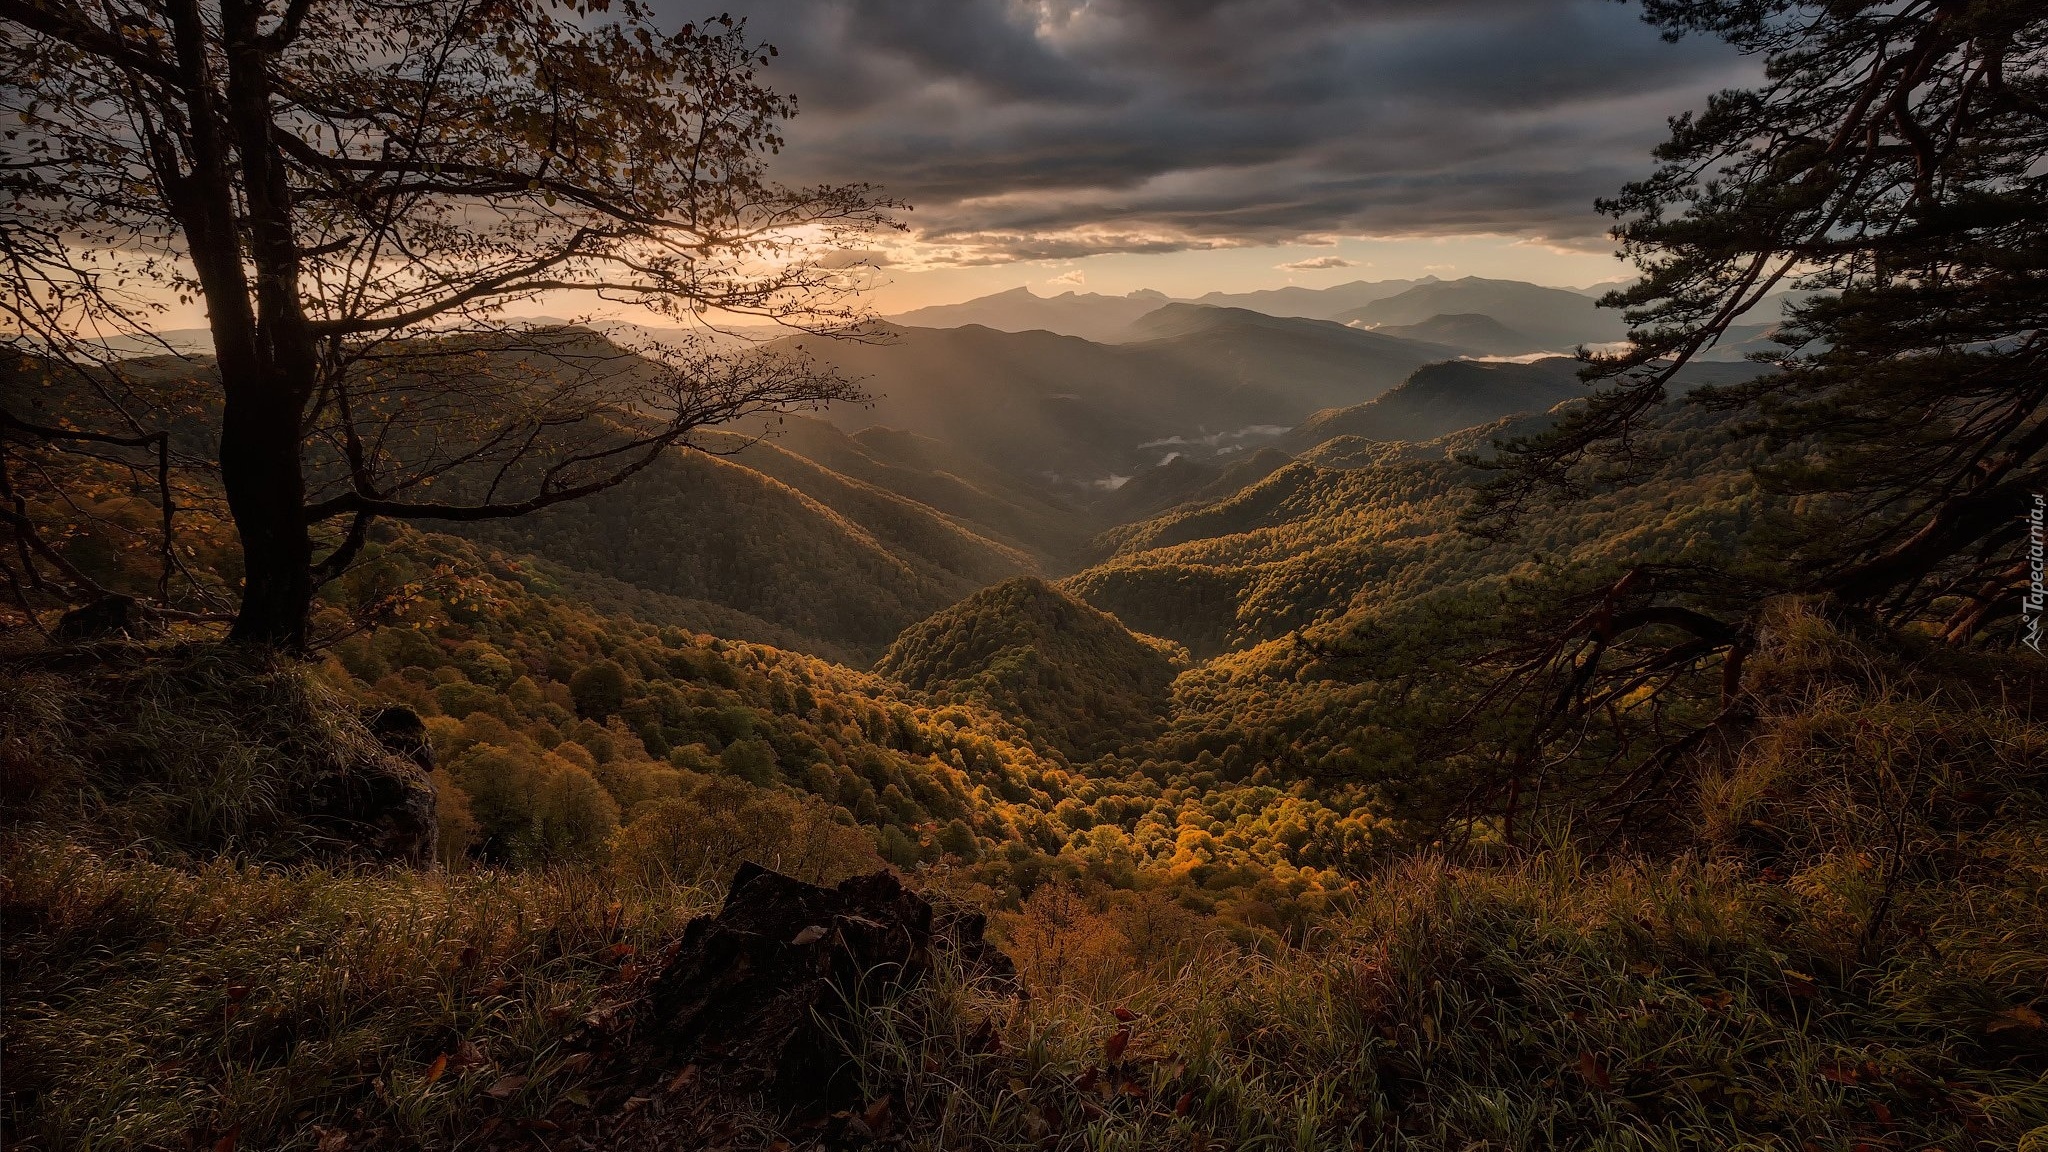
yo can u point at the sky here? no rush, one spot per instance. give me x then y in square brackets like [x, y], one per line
[1198, 145]
[1190, 146]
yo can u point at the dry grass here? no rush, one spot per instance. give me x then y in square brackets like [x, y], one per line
[156, 1006]
[1854, 957]
[1545, 1006]
[183, 752]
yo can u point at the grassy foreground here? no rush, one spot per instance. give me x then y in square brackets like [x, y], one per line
[1853, 954]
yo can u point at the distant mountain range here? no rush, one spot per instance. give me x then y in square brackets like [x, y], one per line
[1471, 316]
[1472, 333]
[1089, 315]
[1074, 413]
[1034, 436]
[1553, 319]
[1105, 319]
[1314, 303]
[1442, 398]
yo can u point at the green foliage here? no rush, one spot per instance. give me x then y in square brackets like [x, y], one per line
[1077, 680]
[700, 835]
[598, 689]
[533, 809]
[751, 760]
[1850, 955]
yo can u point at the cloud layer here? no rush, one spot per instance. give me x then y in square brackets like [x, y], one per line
[1052, 129]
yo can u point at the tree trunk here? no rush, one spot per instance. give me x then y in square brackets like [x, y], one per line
[259, 468]
[262, 347]
[277, 549]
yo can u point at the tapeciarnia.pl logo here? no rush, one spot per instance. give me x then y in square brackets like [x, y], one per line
[2037, 587]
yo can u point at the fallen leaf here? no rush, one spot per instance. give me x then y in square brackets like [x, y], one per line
[1123, 1015]
[1113, 1050]
[2021, 1017]
[1185, 1104]
[435, 1069]
[682, 1078]
[506, 1087]
[332, 1140]
[877, 1116]
[810, 935]
[227, 1143]
[1594, 1070]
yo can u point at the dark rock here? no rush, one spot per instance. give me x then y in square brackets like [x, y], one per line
[753, 993]
[384, 804]
[103, 619]
[401, 731]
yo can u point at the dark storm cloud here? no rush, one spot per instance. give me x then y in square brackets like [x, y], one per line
[1057, 128]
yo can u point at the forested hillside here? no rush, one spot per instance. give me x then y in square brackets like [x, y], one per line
[1072, 676]
[1558, 319]
[773, 535]
[1268, 687]
[1073, 415]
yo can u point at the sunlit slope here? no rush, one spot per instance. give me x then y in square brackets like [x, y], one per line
[1072, 676]
[1077, 415]
[1357, 526]
[827, 557]
[1016, 512]
[1471, 333]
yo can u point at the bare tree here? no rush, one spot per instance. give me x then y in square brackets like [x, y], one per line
[357, 190]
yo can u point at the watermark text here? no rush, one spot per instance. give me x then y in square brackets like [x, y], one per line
[2037, 587]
